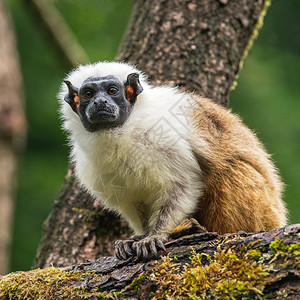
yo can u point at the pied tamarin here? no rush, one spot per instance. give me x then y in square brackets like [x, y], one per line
[157, 155]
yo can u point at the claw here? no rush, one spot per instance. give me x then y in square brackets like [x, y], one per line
[138, 250]
[134, 245]
[128, 249]
[118, 250]
[160, 244]
[117, 253]
[144, 249]
[152, 247]
[122, 251]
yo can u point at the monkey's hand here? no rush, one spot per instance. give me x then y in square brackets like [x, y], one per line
[149, 246]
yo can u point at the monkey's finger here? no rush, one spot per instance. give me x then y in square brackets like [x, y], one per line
[128, 249]
[120, 251]
[145, 252]
[138, 249]
[117, 252]
[152, 248]
[160, 244]
[134, 247]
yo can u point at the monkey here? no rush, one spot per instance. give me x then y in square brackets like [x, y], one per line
[157, 155]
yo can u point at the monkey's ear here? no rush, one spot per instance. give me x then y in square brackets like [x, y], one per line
[72, 97]
[132, 87]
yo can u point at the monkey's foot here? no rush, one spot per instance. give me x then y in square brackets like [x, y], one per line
[149, 246]
[187, 227]
[123, 249]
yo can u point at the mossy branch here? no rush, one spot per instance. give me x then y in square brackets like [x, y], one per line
[264, 265]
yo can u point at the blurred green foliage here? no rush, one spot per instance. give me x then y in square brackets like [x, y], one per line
[267, 98]
[268, 94]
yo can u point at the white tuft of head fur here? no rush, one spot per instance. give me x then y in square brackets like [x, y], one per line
[100, 69]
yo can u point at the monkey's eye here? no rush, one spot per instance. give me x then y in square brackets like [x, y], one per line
[112, 90]
[88, 94]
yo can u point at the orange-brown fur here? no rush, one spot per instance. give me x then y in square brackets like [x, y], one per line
[242, 188]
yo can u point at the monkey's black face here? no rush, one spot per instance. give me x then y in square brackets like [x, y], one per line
[104, 102]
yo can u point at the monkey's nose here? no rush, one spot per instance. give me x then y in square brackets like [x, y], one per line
[101, 106]
[96, 103]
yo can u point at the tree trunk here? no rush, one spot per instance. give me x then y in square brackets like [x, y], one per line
[12, 128]
[197, 45]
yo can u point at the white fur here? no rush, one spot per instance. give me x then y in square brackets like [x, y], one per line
[138, 167]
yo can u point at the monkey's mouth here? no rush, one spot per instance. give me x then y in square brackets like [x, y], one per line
[107, 109]
[102, 113]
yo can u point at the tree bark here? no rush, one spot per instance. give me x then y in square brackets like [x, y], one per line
[197, 45]
[12, 129]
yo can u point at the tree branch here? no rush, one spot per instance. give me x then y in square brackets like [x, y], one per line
[264, 265]
[59, 32]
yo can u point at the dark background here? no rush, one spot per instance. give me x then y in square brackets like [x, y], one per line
[267, 98]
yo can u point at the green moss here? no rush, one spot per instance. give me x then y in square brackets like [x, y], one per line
[137, 282]
[234, 288]
[254, 254]
[278, 245]
[230, 273]
[294, 248]
[285, 252]
[50, 283]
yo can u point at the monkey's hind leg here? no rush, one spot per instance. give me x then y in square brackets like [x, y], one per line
[187, 227]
